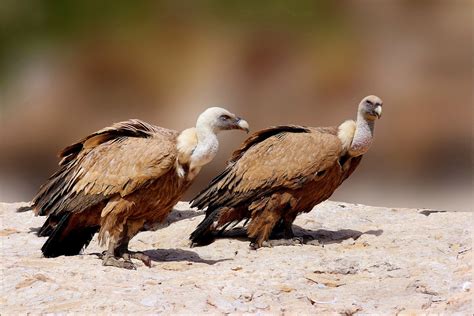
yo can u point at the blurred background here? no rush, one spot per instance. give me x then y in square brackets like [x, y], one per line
[68, 68]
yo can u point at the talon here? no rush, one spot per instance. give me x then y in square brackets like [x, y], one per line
[295, 241]
[299, 240]
[313, 242]
[253, 246]
[115, 262]
[141, 256]
[129, 265]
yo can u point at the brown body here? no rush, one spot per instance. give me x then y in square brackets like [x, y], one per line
[113, 181]
[276, 174]
[121, 178]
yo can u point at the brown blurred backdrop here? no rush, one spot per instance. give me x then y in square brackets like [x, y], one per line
[69, 68]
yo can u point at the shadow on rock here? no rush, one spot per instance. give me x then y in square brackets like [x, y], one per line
[429, 212]
[164, 255]
[324, 236]
[173, 217]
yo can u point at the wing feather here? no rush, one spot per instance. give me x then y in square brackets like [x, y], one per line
[279, 157]
[115, 160]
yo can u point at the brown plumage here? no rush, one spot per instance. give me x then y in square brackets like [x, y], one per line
[120, 178]
[282, 171]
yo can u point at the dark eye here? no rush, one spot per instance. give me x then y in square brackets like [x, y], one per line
[369, 102]
[225, 117]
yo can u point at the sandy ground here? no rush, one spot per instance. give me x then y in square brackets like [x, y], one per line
[370, 260]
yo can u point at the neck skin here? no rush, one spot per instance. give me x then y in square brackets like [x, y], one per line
[206, 148]
[363, 136]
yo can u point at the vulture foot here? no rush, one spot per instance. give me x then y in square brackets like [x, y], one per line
[127, 255]
[108, 260]
[312, 242]
[126, 263]
[282, 231]
[295, 241]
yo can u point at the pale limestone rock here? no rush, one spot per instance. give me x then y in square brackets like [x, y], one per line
[369, 260]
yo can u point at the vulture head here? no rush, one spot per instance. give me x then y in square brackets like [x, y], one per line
[219, 119]
[371, 107]
[198, 146]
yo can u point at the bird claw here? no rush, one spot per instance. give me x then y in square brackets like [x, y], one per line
[254, 246]
[125, 259]
[116, 262]
[140, 256]
[295, 241]
[313, 242]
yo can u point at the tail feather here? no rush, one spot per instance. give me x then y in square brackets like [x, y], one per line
[49, 225]
[217, 221]
[67, 239]
[204, 234]
[26, 208]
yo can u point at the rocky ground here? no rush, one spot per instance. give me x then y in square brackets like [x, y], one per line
[369, 260]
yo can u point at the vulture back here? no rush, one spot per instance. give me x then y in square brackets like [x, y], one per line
[285, 168]
[115, 160]
[54, 195]
[211, 195]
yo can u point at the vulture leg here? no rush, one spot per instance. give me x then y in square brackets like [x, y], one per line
[127, 255]
[284, 230]
[275, 221]
[264, 218]
[131, 229]
[109, 258]
[259, 230]
[118, 248]
[282, 234]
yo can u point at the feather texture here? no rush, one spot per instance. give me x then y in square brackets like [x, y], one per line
[276, 174]
[121, 179]
[112, 181]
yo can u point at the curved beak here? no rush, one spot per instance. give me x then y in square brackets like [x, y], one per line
[242, 124]
[378, 111]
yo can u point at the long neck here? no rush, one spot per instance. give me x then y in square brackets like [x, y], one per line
[206, 148]
[363, 136]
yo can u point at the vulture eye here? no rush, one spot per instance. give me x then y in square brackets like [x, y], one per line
[369, 102]
[225, 117]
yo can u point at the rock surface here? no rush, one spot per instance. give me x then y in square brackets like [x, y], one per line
[370, 260]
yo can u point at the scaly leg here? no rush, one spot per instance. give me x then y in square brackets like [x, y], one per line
[283, 230]
[282, 234]
[127, 255]
[109, 258]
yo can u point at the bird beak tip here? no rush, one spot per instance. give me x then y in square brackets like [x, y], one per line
[243, 125]
[378, 111]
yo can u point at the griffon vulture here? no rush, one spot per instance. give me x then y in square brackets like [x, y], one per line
[120, 178]
[282, 171]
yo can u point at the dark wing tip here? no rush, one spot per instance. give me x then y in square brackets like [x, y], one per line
[26, 208]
